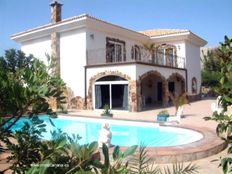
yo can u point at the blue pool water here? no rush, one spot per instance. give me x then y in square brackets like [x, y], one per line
[124, 133]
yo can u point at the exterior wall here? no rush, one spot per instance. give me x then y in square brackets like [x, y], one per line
[38, 47]
[72, 56]
[193, 65]
[166, 72]
[73, 60]
[96, 44]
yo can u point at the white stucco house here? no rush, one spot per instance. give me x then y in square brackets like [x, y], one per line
[103, 63]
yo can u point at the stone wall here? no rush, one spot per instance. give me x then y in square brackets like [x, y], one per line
[133, 96]
[77, 103]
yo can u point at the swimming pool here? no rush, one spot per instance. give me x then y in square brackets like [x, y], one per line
[124, 133]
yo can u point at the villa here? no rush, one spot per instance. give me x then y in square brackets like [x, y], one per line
[103, 63]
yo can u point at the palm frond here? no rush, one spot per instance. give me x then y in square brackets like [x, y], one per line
[142, 164]
[180, 168]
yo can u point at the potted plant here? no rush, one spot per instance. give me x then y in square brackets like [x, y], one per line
[179, 100]
[162, 115]
[106, 111]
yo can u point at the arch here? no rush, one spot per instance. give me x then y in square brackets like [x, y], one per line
[99, 76]
[177, 78]
[194, 85]
[155, 95]
[156, 73]
[166, 46]
[111, 78]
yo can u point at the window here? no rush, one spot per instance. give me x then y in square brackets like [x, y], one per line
[135, 52]
[169, 56]
[160, 56]
[194, 85]
[115, 50]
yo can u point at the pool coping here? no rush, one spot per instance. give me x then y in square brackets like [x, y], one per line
[209, 145]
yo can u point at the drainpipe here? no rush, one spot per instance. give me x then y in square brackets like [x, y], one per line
[85, 102]
[186, 81]
[85, 79]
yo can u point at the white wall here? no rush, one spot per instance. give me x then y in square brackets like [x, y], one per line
[38, 47]
[72, 56]
[73, 59]
[166, 72]
[193, 65]
[96, 44]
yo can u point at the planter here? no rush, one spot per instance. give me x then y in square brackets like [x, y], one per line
[162, 117]
[107, 115]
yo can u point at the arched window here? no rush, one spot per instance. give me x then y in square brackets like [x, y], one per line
[194, 85]
[166, 55]
[135, 52]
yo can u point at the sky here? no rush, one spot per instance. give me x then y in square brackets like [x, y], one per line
[210, 19]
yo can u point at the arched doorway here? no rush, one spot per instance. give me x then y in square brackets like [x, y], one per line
[111, 90]
[176, 84]
[153, 90]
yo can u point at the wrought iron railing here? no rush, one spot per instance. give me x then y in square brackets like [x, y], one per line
[103, 56]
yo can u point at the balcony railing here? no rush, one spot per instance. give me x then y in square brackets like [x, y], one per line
[101, 57]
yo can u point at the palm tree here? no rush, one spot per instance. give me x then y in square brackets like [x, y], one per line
[151, 48]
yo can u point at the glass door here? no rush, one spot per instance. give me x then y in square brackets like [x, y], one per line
[102, 96]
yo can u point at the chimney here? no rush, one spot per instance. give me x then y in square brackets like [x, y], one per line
[56, 11]
[55, 37]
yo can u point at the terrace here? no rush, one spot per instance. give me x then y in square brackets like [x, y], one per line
[139, 55]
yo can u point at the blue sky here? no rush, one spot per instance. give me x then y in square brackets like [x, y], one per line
[210, 19]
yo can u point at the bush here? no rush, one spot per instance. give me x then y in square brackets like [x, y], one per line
[224, 119]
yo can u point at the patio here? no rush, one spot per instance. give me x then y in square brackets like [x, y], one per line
[193, 116]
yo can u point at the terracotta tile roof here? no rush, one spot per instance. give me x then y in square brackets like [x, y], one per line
[162, 32]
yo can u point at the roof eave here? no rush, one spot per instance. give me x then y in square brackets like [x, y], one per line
[170, 37]
[196, 39]
[189, 36]
[46, 30]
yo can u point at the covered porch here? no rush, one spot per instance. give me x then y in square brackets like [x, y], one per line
[133, 87]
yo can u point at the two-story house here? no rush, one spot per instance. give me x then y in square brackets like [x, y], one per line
[103, 63]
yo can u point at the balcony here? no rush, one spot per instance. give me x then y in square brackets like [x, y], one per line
[105, 57]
